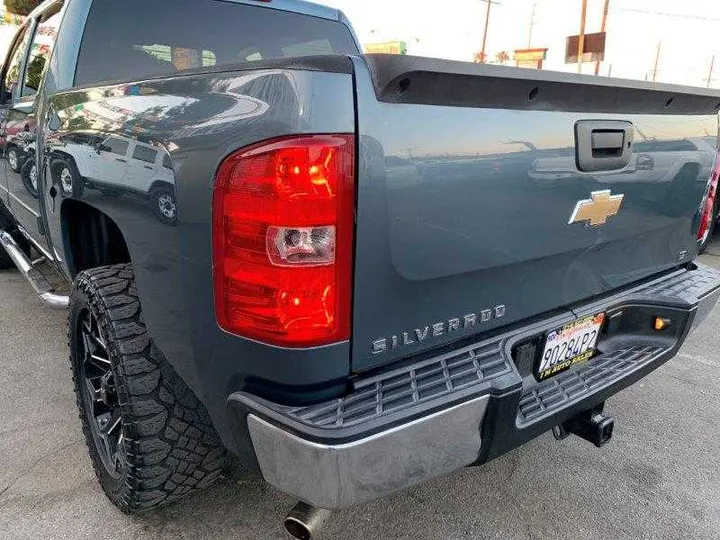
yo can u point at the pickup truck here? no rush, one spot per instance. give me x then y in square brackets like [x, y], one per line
[365, 284]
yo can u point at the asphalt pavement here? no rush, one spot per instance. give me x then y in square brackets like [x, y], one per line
[658, 479]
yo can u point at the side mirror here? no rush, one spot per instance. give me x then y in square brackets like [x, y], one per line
[100, 147]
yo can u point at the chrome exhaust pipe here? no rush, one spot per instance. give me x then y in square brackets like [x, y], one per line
[304, 521]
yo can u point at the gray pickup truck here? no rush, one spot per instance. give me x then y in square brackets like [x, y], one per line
[352, 273]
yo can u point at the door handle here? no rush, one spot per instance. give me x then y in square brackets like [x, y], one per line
[603, 145]
[148, 167]
[121, 160]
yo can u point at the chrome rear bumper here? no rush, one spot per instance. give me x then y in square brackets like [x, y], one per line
[466, 405]
[342, 475]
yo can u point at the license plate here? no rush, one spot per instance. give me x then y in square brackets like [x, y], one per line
[573, 343]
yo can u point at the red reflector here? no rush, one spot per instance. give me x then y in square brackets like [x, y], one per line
[283, 225]
[706, 213]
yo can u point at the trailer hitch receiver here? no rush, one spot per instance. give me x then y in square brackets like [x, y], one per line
[591, 425]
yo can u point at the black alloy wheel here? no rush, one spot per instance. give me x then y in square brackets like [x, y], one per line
[102, 406]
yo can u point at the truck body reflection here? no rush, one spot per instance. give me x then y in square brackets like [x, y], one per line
[115, 165]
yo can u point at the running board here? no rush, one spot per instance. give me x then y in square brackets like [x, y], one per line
[37, 280]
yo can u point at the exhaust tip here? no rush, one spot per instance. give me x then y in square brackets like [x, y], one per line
[304, 521]
[297, 529]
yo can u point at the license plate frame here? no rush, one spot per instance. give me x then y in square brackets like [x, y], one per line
[564, 347]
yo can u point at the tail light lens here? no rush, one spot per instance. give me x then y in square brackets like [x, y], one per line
[283, 225]
[706, 213]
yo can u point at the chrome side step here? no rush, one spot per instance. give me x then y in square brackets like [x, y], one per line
[37, 280]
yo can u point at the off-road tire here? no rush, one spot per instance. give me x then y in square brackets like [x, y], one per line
[171, 448]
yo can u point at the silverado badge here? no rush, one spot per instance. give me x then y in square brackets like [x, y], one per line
[597, 209]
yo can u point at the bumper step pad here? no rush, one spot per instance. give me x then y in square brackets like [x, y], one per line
[401, 389]
[564, 389]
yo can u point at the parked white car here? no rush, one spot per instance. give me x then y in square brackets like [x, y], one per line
[114, 165]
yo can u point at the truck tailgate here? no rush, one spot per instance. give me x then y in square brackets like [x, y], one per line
[473, 210]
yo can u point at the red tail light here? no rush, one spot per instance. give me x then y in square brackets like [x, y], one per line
[706, 214]
[283, 221]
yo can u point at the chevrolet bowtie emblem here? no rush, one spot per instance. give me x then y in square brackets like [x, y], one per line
[597, 209]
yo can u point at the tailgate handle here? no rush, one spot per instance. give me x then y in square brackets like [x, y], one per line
[607, 143]
[603, 145]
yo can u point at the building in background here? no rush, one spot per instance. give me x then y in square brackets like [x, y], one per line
[389, 47]
[530, 58]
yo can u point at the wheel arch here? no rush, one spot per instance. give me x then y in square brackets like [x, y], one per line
[61, 154]
[91, 238]
[157, 184]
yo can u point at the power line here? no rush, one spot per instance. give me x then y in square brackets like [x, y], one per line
[665, 14]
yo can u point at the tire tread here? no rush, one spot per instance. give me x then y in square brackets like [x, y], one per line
[171, 445]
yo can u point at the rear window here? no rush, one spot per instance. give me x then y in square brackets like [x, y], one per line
[166, 37]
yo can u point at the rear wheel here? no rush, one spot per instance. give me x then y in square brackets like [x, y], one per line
[165, 204]
[13, 159]
[30, 177]
[67, 177]
[150, 439]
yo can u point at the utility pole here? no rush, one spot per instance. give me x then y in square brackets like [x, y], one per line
[602, 29]
[712, 63]
[581, 37]
[485, 32]
[657, 61]
[532, 23]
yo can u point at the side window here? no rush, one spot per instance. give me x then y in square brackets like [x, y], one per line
[117, 146]
[41, 49]
[13, 69]
[167, 162]
[143, 153]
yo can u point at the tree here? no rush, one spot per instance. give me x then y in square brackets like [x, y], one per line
[21, 7]
[502, 57]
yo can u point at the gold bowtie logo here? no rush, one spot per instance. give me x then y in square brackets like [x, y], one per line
[597, 209]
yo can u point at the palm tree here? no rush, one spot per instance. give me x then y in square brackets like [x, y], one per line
[502, 57]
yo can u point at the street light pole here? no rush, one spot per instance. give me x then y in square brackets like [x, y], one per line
[581, 37]
[532, 23]
[487, 23]
[657, 61]
[602, 29]
[712, 64]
